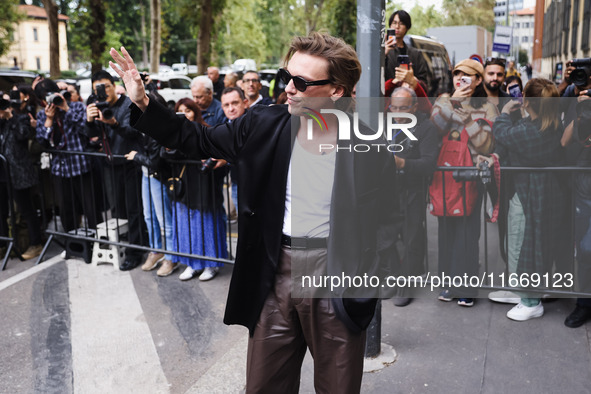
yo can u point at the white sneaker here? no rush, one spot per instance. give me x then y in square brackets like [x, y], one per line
[504, 296]
[188, 273]
[521, 312]
[209, 273]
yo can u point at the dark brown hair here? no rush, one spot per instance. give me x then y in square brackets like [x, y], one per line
[192, 105]
[344, 69]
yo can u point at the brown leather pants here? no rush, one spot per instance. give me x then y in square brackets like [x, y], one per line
[287, 326]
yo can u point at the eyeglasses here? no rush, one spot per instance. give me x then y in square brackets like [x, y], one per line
[499, 61]
[251, 80]
[395, 108]
[300, 83]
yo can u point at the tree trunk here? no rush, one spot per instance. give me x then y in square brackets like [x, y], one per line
[96, 34]
[155, 35]
[204, 41]
[144, 40]
[54, 40]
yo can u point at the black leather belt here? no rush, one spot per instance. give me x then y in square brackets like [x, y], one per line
[303, 242]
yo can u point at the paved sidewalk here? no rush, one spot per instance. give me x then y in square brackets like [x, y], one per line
[71, 327]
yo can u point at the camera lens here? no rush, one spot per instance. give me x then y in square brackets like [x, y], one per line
[107, 113]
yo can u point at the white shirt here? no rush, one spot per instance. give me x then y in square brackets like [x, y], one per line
[308, 193]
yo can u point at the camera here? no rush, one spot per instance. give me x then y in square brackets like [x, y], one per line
[101, 101]
[207, 166]
[580, 76]
[15, 98]
[4, 104]
[482, 173]
[54, 98]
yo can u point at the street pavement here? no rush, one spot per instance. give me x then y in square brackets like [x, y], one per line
[70, 327]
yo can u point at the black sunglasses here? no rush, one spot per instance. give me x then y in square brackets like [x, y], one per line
[499, 61]
[300, 83]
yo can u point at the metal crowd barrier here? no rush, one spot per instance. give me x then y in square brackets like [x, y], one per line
[565, 258]
[98, 178]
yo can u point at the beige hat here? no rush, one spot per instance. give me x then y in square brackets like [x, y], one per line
[470, 67]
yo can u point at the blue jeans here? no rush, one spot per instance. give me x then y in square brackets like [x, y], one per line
[157, 213]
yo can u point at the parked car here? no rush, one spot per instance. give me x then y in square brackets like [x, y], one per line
[9, 78]
[172, 87]
[440, 78]
[184, 69]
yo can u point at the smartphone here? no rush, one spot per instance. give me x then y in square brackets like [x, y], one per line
[465, 81]
[403, 61]
[456, 104]
[390, 33]
[515, 92]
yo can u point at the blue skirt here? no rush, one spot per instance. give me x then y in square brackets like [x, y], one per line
[199, 233]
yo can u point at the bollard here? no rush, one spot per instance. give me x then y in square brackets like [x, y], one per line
[374, 334]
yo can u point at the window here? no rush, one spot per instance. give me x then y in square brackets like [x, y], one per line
[586, 18]
[35, 34]
[525, 39]
[575, 29]
[38, 60]
[517, 25]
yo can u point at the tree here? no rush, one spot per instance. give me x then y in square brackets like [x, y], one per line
[54, 40]
[155, 10]
[470, 12]
[10, 17]
[96, 34]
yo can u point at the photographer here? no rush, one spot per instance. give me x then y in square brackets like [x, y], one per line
[107, 117]
[14, 134]
[400, 22]
[536, 199]
[61, 127]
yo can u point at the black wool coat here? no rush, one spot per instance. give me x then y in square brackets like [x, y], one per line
[259, 144]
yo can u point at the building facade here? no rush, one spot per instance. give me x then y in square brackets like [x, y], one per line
[30, 44]
[523, 23]
[566, 35]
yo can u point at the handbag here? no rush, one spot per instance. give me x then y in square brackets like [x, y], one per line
[175, 187]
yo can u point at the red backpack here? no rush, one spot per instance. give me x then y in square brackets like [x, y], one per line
[453, 153]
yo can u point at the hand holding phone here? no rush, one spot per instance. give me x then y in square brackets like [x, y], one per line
[403, 61]
[515, 92]
[465, 81]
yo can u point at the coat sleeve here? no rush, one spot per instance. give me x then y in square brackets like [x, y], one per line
[197, 141]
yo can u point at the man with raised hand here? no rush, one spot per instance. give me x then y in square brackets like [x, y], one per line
[341, 229]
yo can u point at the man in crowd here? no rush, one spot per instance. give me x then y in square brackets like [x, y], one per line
[273, 237]
[230, 80]
[234, 105]
[211, 109]
[400, 21]
[213, 73]
[122, 177]
[415, 163]
[251, 84]
[494, 76]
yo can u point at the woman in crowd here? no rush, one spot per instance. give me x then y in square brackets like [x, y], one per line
[14, 137]
[537, 198]
[199, 224]
[468, 109]
[155, 200]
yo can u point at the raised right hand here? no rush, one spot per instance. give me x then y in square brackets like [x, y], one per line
[128, 72]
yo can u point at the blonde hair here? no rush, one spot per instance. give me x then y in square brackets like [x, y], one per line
[541, 90]
[344, 69]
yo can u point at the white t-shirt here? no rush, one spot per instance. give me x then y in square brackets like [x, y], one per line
[308, 193]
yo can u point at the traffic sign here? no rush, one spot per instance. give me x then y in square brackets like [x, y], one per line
[502, 39]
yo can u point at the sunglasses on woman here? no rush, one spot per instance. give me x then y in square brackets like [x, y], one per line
[300, 83]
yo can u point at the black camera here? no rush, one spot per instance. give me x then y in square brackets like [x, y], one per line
[101, 101]
[580, 76]
[15, 98]
[54, 98]
[482, 173]
[4, 104]
[207, 166]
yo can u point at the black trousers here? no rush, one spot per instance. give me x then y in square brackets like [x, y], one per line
[24, 203]
[123, 183]
[75, 197]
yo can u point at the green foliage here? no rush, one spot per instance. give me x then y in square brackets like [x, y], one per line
[470, 12]
[522, 57]
[10, 16]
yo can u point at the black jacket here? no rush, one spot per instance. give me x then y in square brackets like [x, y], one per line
[122, 139]
[419, 66]
[259, 144]
[14, 142]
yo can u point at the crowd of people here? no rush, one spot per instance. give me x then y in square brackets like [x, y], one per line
[230, 127]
